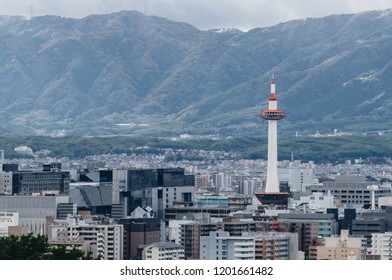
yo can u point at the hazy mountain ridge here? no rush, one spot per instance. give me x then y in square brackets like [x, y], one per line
[84, 76]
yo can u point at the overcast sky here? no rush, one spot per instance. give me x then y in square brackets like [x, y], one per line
[203, 14]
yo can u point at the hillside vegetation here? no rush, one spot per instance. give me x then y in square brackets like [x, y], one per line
[323, 149]
[130, 74]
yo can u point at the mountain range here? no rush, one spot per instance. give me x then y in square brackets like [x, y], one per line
[126, 73]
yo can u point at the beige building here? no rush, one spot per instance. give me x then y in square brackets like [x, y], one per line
[342, 248]
[8, 219]
[275, 245]
[163, 251]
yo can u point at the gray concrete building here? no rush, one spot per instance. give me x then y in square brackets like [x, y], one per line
[351, 191]
[33, 210]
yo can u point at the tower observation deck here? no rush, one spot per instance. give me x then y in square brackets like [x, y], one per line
[272, 194]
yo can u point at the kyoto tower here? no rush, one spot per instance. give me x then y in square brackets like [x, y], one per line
[272, 194]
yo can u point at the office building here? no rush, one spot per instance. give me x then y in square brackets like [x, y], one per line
[366, 228]
[159, 188]
[137, 232]
[232, 202]
[50, 180]
[33, 210]
[351, 191]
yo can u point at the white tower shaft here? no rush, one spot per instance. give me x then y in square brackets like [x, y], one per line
[272, 167]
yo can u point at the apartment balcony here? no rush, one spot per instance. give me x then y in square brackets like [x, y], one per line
[249, 256]
[247, 250]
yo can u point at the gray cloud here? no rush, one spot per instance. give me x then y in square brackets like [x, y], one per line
[204, 14]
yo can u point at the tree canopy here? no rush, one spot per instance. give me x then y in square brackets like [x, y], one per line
[30, 247]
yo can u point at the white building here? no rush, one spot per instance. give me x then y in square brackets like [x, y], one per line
[382, 245]
[250, 187]
[165, 197]
[5, 183]
[219, 245]
[105, 236]
[221, 181]
[175, 229]
[163, 251]
[316, 202]
[8, 219]
[296, 177]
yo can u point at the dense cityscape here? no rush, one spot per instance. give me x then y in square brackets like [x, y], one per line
[144, 77]
[148, 206]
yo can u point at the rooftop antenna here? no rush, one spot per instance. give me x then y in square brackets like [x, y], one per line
[373, 189]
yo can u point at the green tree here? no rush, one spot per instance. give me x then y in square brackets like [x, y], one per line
[61, 253]
[30, 247]
[25, 247]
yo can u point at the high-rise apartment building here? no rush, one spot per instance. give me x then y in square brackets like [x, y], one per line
[219, 245]
[103, 234]
[382, 245]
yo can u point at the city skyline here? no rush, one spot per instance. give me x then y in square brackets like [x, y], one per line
[185, 194]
